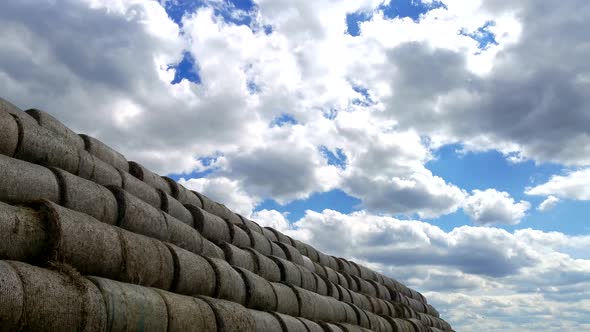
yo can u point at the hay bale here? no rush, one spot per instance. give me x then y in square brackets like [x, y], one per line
[193, 274]
[265, 321]
[259, 242]
[132, 307]
[139, 217]
[352, 283]
[432, 311]
[416, 305]
[342, 280]
[332, 263]
[188, 313]
[319, 269]
[149, 177]
[300, 246]
[382, 291]
[287, 301]
[93, 169]
[351, 315]
[174, 208]
[355, 270]
[290, 273]
[266, 267]
[329, 327]
[337, 309]
[311, 325]
[8, 134]
[54, 301]
[418, 325]
[268, 233]
[238, 257]
[308, 280]
[314, 306]
[21, 181]
[378, 306]
[259, 293]
[403, 311]
[50, 123]
[79, 240]
[378, 323]
[218, 209]
[280, 236]
[366, 287]
[333, 290]
[105, 153]
[321, 286]
[361, 301]
[13, 298]
[312, 253]
[229, 283]
[323, 259]
[212, 250]
[7, 107]
[290, 324]
[350, 327]
[292, 253]
[277, 251]
[253, 226]
[140, 189]
[345, 295]
[231, 316]
[361, 316]
[210, 226]
[23, 236]
[308, 264]
[184, 235]
[148, 262]
[239, 237]
[86, 196]
[343, 265]
[331, 274]
[183, 195]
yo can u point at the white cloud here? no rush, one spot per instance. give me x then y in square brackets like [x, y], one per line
[574, 185]
[494, 207]
[272, 218]
[548, 204]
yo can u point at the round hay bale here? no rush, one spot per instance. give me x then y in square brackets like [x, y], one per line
[332, 263]
[290, 324]
[351, 315]
[415, 295]
[287, 301]
[382, 291]
[77, 239]
[352, 283]
[140, 189]
[307, 279]
[8, 134]
[218, 209]
[292, 253]
[21, 181]
[321, 286]
[266, 267]
[193, 274]
[183, 195]
[148, 262]
[23, 236]
[311, 325]
[149, 177]
[188, 313]
[308, 264]
[265, 321]
[323, 259]
[210, 226]
[390, 309]
[329, 327]
[183, 235]
[355, 270]
[280, 236]
[211, 250]
[314, 306]
[105, 153]
[139, 217]
[300, 246]
[366, 287]
[269, 234]
[333, 290]
[40, 146]
[174, 208]
[312, 253]
[50, 123]
[253, 226]
[93, 169]
[399, 324]
[378, 323]
[343, 265]
[259, 293]
[342, 280]
[338, 313]
[345, 295]
[290, 273]
[277, 251]
[403, 311]
[238, 257]
[231, 316]
[361, 301]
[331, 275]
[432, 311]
[418, 325]
[13, 298]
[132, 307]
[229, 284]
[7, 107]
[350, 327]
[361, 316]
[379, 306]
[54, 301]
[259, 242]
[239, 237]
[416, 305]
[321, 270]
[86, 196]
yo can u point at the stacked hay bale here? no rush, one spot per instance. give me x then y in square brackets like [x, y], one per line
[93, 242]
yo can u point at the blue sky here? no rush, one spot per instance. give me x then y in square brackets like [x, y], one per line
[428, 139]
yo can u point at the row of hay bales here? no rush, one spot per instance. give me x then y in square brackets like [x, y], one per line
[148, 221]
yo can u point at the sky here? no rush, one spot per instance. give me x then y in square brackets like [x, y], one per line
[443, 143]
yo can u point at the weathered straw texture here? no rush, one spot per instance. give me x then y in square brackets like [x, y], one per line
[266, 321]
[8, 134]
[211, 226]
[259, 292]
[182, 194]
[105, 153]
[23, 236]
[50, 123]
[239, 237]
[229, 283]
[188, 313]
[96, 170]
[149, 177]
[193, 274]
[266, 267]
[174, 208]
[311, 325]
[21, 181]
[238, 257]
[287, 302]
[184, 235]
[141, 190]
[290, 324]
[7, 107]
[231, 316]
[218, 209]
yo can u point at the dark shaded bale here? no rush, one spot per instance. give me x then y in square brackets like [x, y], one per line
[390, 309]
[329, 327]
[333, 263]
[259, 293]
[311, 325]
[418, 325]
[193, 274]
[308, 280]
[184, 235]
[290, 273]
[13, 298]
[183, 195]
[320, 270]
[79, 240]
[50, 123]
[289, 323]
[23, 235]
[331, 275]
[416, 305]
[351, 315]
[361, 301]
[8, 134]
[188, 313]
[277, 251]
[378, 323]
[399, 324]
[54, 301]
[231, 316]
[308, 264]
[352, 283]
[355, 270]
[350, 327]
[86, 196]
[345, 295]
[265, 321]
[174, 208]
[210, 226]
[211, 250]
[265, 267]
[149, 177]
[137, 216]
[365, 287]
[259, 242]
[312, 253]
[287, 301]
[403, 311]
[269, 233]
[416, 296]
[40, 146]
[140, 189]
[93, 169]
[239, 237]
[395, 285]
[230, 285]
[132, 307]
[333, 290]
[382, 291]
[432, 311]
[292, 253]
[238, 257]
[342, 280]
[379, 306]
[105, 153]
[321, 287]
[148, 262]
[251, 225]
[21, 181]
[343, 265]
[361, 316]
[8, 107]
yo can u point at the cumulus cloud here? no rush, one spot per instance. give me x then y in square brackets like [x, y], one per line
[494, 207]
[574, 185]
[548, 204]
